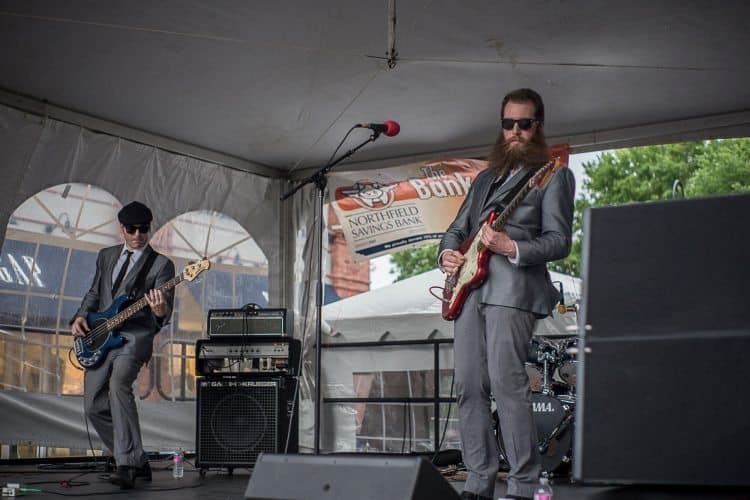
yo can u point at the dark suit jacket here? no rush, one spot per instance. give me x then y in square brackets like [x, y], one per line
[141, 328]
[542, 228]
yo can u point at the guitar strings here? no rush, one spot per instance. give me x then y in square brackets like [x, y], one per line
[103, 329]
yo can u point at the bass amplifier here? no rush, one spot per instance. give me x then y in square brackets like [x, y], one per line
[248, 356]
[238, 418]
[240, 322]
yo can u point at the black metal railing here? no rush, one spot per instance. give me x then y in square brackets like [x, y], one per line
[436, 399]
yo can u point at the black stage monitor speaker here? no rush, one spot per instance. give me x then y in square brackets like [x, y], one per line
[240, 418]
[662, 357]
[321, 477]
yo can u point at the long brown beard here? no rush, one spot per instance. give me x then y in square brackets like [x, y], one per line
[532, 155]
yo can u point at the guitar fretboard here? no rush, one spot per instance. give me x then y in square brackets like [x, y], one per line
[498, 223]
[115, 321]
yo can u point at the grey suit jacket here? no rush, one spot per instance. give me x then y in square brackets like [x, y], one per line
[141, 328]
[541, 227]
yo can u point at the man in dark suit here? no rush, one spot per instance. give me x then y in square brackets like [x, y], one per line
[493, 331]
[108, 389]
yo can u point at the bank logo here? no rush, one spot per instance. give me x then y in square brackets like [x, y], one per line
[371, 194]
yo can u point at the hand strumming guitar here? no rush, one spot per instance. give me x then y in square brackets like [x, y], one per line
[451, 261]
[79, 327]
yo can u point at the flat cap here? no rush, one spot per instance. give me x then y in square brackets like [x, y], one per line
[135, 213]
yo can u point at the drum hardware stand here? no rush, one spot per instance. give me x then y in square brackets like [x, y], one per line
[546, 383]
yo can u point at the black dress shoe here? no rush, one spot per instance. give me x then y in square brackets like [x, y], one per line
[468, 495]
[124, 477]
[144, 472]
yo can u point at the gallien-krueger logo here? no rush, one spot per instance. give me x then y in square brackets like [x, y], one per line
[371, 194]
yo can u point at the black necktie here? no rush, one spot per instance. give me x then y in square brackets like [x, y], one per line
[122, 273]
[499, 181]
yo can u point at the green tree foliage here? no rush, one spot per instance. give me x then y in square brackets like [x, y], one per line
[409, 263]
[703, 168]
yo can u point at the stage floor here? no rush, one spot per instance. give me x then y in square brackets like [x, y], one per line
[221, 485]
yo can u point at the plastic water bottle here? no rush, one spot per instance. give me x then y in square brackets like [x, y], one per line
[178, 469]
[544, 492]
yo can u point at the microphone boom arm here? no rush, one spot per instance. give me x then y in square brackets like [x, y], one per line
[319, 177]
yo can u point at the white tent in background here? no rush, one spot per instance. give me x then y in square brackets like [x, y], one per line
[402, 311]
[406, 310]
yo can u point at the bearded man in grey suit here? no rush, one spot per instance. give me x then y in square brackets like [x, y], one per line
[108, 389]
[495, 326]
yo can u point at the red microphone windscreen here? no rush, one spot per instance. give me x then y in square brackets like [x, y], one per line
[391, 128]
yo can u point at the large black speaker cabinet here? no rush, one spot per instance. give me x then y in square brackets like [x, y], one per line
[240, 418]
[320, 477]
[666, 335]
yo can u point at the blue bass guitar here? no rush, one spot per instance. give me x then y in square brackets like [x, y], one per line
[92, 349]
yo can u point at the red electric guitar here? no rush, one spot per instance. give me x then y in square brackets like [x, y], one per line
[473, 271]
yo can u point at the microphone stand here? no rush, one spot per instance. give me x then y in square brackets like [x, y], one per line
[321, 182]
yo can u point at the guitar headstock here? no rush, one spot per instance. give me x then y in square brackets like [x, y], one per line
[541, 176]
[192, 271]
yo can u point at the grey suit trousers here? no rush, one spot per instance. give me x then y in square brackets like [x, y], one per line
[490, 350]
[111, 408]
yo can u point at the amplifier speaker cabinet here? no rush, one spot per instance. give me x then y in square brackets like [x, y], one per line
[238, 418]
[661, 380]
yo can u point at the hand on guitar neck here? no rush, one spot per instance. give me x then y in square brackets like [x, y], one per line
[157, 302]
[498, 242]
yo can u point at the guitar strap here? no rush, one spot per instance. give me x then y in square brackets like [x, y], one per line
[140, 280]
[499, 206]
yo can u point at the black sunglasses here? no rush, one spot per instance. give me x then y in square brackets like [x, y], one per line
[523, 123]
[132, 228]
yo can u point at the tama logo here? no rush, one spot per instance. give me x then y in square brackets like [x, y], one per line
[542, 407]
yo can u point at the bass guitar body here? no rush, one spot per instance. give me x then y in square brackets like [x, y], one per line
[102, 336]
[92, 350]
[469, 276]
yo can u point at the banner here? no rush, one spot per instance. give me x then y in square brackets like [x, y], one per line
[403, 207]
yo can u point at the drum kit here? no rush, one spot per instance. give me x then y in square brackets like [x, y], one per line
[551, 367]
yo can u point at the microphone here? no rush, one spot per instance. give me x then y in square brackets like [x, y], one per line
[389, 128]
[562, 308]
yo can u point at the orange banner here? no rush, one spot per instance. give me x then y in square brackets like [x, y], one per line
[404, 207]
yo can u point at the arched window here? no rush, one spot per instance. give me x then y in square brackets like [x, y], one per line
[238, 276]
[48, 261]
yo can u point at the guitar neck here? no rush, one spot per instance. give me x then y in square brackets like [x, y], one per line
[117, 320]
[501, 219]
[535, 180]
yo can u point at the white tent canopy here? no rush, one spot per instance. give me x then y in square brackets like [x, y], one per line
[213, 105]
[272, 88]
